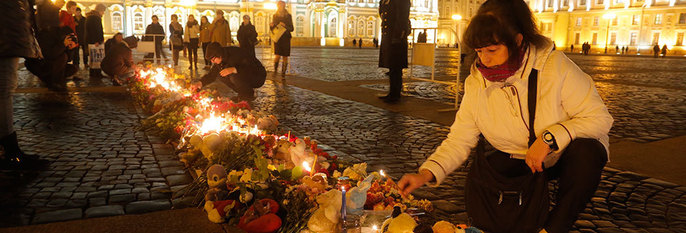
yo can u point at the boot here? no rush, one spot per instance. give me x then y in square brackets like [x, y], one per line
[276, 66]
[283, 69]
[15, 158]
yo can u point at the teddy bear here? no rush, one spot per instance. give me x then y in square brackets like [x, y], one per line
[217, 204]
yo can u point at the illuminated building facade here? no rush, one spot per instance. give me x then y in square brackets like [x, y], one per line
[454, 18]
[316, 22]
[636, 24]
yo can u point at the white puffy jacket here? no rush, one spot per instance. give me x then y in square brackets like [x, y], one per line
[568, 105]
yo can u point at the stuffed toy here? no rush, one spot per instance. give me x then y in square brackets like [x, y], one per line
[281, 152]
[399, 222]
[300, 153]
[357, 196]
[216, 203]
[325, 218]
[261, 217]
[268, 123]
[316, 182]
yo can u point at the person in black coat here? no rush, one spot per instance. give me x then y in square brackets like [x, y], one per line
[16, 41]
[395, 27]
[247, 36]
[156, 29]
[81, 35]
[118, 61]
[236, 68]
[94, 31]
[282, 47]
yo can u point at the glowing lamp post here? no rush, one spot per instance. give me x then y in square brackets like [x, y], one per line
[457, 19]
[609, 17]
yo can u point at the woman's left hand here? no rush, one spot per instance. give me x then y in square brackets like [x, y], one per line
[535, 155]
[230, 70]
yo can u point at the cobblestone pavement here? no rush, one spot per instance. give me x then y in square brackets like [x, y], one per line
[624, 202]
[100, 163]
[646, 96]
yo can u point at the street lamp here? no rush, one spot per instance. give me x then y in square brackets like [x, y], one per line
[609, 17]
[457, 19]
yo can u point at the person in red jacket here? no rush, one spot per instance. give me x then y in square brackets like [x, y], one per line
[66, 17]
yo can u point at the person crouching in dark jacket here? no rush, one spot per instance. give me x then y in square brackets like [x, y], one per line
[118, 61]
[236, 68]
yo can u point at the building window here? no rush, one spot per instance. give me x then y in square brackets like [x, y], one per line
[614, 21]
[633, 39]
[599, 2]
[656, 38]
[138, 21]
[565, 3]
[635, 19]
[679, 39]
[360, 27]
[116, 22]
[658, 19]
[370, 27]
[613, 38]
[351, 26]
[299, 25]
[595, 38]
[595, 21]
[259, 24]
[332, 27]
[682, 18]
[577, 37]
[550, 3]
[582, 2]
[578, 21]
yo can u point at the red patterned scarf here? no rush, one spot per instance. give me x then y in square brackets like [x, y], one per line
[500, 72]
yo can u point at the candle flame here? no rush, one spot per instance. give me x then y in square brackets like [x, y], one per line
[307, 167]
[343, 188]
[382, 173]
[374, 228]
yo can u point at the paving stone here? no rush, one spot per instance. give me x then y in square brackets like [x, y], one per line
[147, 206]
[584, 224]
[660, 183]
[121, 199]
[104, 211]
[166, 171]
[174, 180]
[97, 194]
[97, 201]
[57, 216]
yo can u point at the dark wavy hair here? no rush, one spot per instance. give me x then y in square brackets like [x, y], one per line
[499, 22]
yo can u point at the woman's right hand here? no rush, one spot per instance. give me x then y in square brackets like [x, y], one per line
[410, 182]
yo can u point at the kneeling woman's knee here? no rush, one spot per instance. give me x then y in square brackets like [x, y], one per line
[587, 150]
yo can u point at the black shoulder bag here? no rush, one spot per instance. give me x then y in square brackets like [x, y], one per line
[496, 203]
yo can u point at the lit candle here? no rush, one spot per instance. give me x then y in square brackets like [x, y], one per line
[307, 167]
[375, 229]
[314, 164]
[343, 209]
[383, 175]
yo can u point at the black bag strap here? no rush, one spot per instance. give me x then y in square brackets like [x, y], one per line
[533, 90]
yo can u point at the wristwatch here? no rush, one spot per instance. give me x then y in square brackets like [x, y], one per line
[549, 139]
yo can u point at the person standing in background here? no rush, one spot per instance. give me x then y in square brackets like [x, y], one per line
[395, 27]
[81, 36]
[247, 36]
[190, 38]
[94, 32]
[157, 31]
[282, 47]
[175, 38]
[205, 38]
[220, 31]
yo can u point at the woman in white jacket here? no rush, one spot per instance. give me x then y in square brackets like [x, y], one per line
[570, 132]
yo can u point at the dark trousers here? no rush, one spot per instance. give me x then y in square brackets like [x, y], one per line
[175, 54]
[204, 51]
[241, 86]
[578, 174]
[395, 76]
